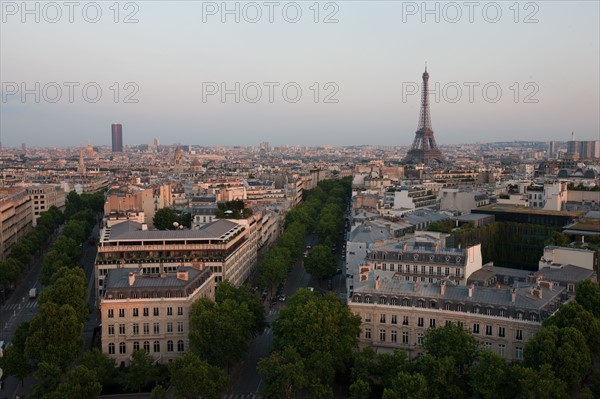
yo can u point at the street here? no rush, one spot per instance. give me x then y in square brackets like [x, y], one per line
[245, 381]
[20, 308]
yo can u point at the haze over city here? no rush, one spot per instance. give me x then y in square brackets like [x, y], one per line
[172, 66]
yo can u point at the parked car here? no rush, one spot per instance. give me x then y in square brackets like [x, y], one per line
[33, 293]
[282, 298]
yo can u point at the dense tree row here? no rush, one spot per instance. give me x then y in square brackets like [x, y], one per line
[557, 361]
[22, 253]
[314, 339]
[220, 331]
[51, 342]
[321, 210]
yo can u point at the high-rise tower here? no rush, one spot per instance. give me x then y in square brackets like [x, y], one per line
[424, 149]
[117, 137]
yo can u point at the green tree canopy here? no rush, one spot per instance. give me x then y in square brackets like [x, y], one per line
[55, 335]
[320, 262]
[284, 374]
[193, 378]
[81, 382]
[68, 287]
[243, 295]
[164, 219]
[588, 296]
[220, 333]
[140, 373]
[308, 316]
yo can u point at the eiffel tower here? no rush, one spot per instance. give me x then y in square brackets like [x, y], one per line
[424, 149]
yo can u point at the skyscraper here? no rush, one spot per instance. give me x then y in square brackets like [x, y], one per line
[117, 137]
[424, 149]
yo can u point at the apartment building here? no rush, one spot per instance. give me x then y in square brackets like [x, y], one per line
[228, 248]
[44, 196]
[396, 313]
[409, 198]
[16, 217]
[426, 259]
[150, 311]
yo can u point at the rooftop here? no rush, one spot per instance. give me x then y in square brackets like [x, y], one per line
[132, 231]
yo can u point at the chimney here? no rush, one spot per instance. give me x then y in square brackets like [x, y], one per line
[131, 279]
[471, 289]
[513, 295]
[443, 288]
[182, 275]
[377, 283]
[144, 227]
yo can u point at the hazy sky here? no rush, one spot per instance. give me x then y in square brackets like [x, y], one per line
[179, 56]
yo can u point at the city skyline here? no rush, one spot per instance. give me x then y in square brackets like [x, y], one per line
[372, 58]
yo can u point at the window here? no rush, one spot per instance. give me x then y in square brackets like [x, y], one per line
[111, 313]
[488, 346]
[121, 329]
[169, 346]
[447, 271]
[421, 303]
[136, 328]
[180, 311]
[169, 311]
[111, 349]
[415, 269]
[180, 345]
[394, 319]
[448, 323]
[420, 322]
[405, 337]
[111, 329]
[519, 353]
[169, 327]
[448, 306]
[136, 346]
[136, 312]
[121, 312]
[382, 318]
[146, 312]
[533, 317]
[422, 269]
[394, 301]
[404, 320]
[432, 323]
[519, 334]
[382, 335]
[147, 346]
[501, 331]
[394, 336]
[180, 326]
[420, 339]
[368, 317]
[460, 323]
[488, 311]
[156, 346]
[488, 330]
[501, 349]
[156, 328]
[502, 313]
[475, 328]
[146, 328]
[122, 347]
[519, 315]
[457, 272]
[367, 333]
[382, 300]
[430, 269]
[156, 313]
